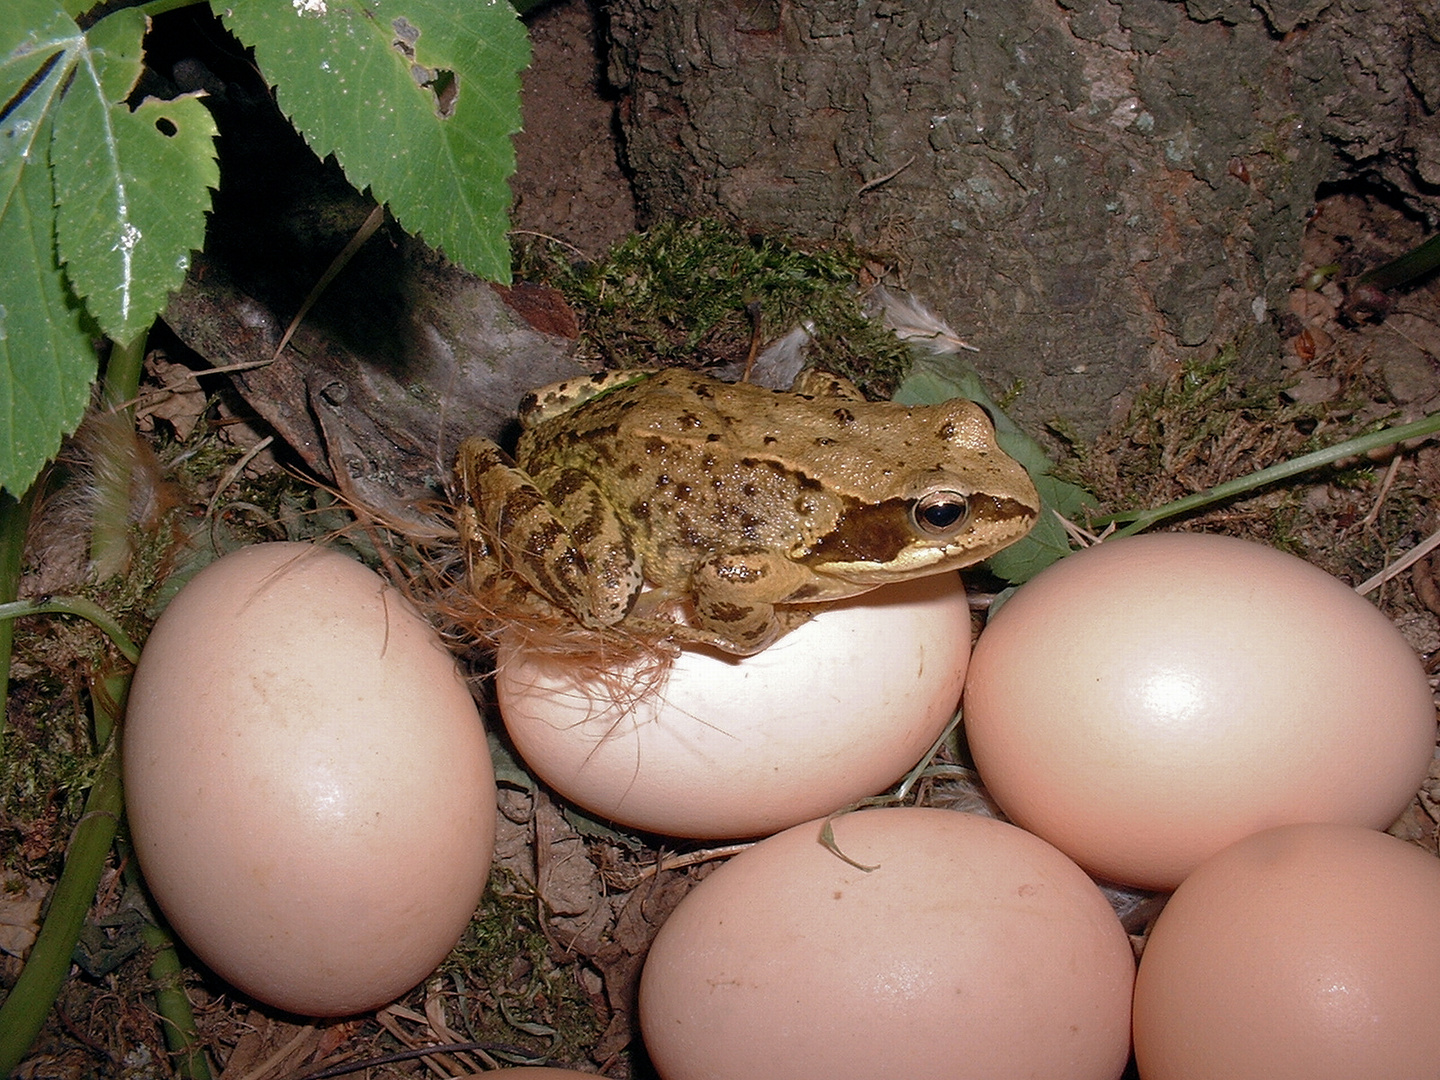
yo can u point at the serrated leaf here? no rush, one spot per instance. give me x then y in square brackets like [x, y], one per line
[417, 100]
[131, 188]
[46, 359]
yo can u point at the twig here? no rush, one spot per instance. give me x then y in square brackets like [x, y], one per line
[871, 185]
[276, 1059]
[1374, 513]
[553, 240]
[234, 471]
[1139, 520]
[331, 272]
[1414, 555]
[76, 605]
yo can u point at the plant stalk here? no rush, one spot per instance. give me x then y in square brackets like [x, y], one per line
[1139, 520]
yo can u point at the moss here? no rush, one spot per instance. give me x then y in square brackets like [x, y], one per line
[687, 293]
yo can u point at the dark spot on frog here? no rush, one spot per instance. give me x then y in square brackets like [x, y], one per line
[702, 390]
[726, 613]
[686, 533]
[837, 895]
[748, 489]
[586, 530]
[771, 440]
[689, 420]
[866, 533]
[714, 436]
[640, 510]
[566, 484]
[655, 445]
[844, 417]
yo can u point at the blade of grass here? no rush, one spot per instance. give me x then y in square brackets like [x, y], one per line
[1139, 520]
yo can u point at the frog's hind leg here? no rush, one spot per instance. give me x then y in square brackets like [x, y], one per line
[587, 570]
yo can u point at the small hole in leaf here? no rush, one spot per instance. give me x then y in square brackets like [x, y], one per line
[446, 88]
[166, 127]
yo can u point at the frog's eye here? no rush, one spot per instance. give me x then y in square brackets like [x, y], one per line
[940, 513]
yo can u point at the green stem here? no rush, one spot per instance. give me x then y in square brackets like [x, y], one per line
[75, 605]
[14, 520]
[1139, 520]
[181, 1035]
[23, 1013]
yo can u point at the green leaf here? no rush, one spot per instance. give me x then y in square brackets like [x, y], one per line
[116, 198]
[46, 359]
[417, 100]
[1048, 541]
[131, 188]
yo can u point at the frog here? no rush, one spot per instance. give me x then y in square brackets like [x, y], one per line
[726, 514]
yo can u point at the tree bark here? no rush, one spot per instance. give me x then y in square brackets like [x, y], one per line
[1089, 190]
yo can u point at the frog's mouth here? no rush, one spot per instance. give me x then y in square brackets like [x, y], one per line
[880, 541]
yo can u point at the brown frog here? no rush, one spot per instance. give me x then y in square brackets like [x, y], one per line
[740, 507]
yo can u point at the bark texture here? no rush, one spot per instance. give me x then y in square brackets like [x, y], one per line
[1089, 190]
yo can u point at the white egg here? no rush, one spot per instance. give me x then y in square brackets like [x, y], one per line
[307, 781]
[1146, 702]
[961, 948]
[721, 747]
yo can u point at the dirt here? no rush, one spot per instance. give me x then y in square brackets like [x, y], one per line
[568, 182]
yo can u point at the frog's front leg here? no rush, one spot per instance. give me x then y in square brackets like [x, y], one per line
[568, 546]
[735, 598]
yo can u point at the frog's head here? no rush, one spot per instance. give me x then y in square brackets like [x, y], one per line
[940, 522]
[958, 499]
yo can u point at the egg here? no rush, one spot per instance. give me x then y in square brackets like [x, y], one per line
[1148, 701]
[963, 949]
[1305, 952]
[307, 781]
[719, 747]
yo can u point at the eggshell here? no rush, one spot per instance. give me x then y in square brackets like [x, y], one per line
[1305, 952]
[307, 781]
[972, 950]
[1144, 703]
[722, 747]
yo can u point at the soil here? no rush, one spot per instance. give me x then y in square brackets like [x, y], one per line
[569, 183]
[587, 899]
